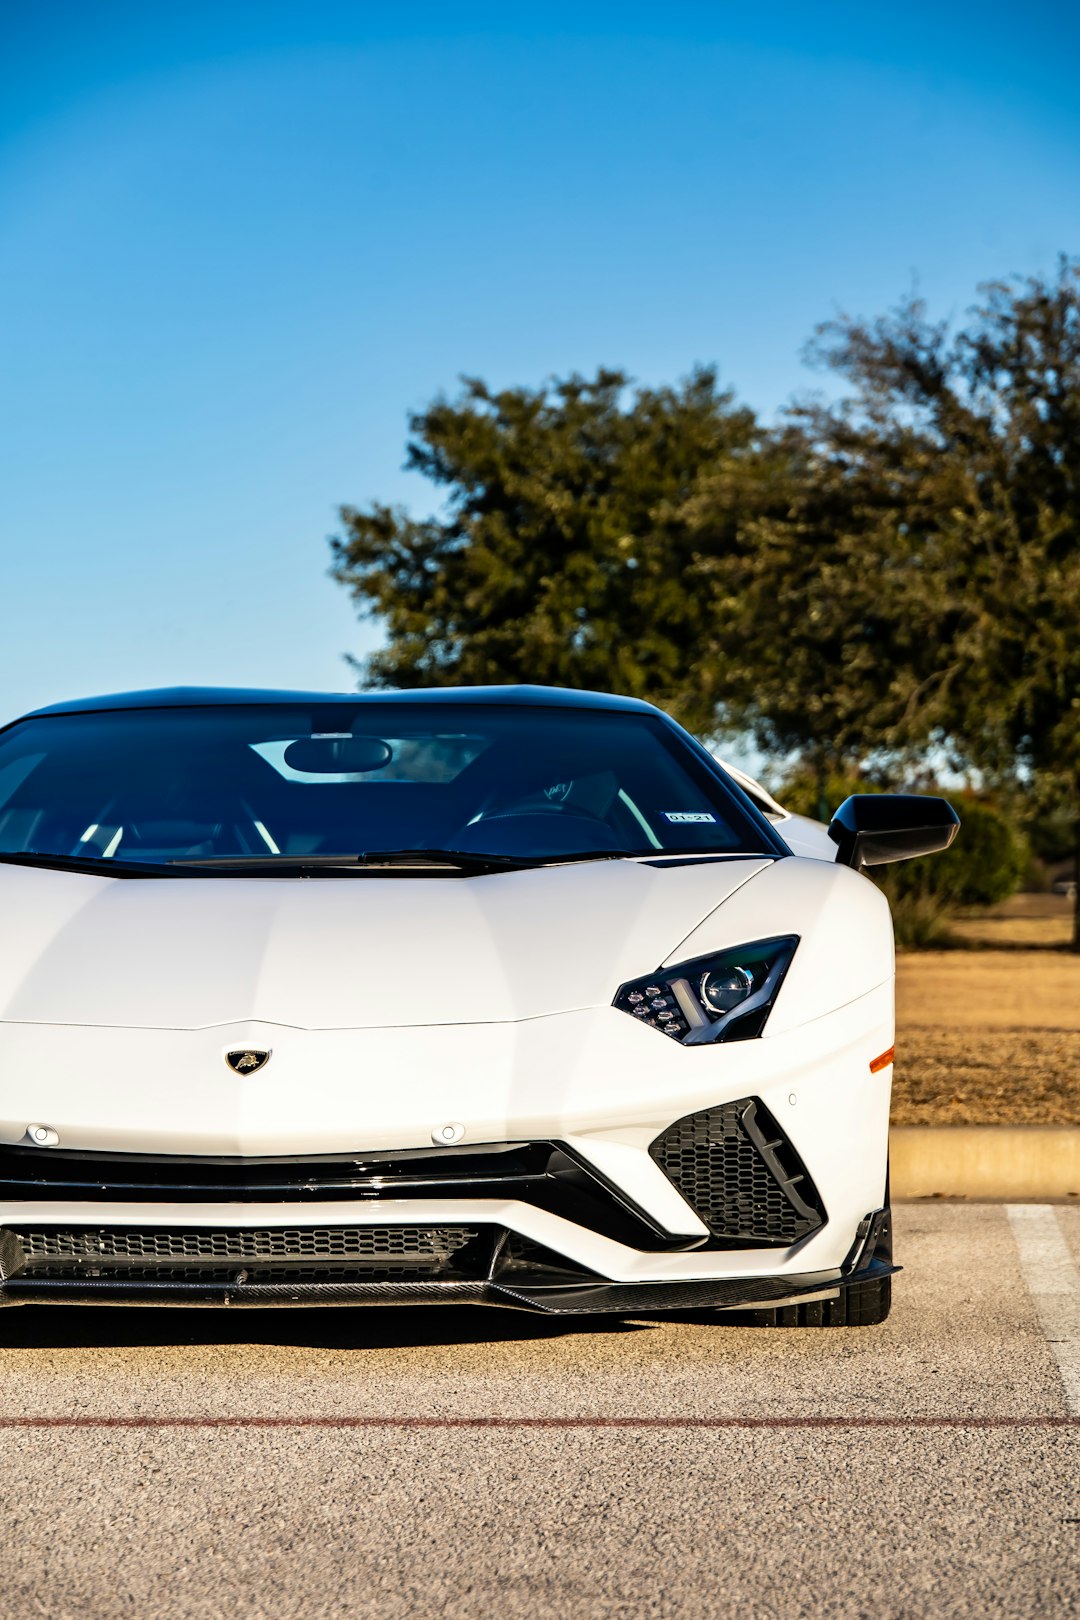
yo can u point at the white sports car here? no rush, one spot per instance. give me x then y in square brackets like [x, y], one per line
[508, 996]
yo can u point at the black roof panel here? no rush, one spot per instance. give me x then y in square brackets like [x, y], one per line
[177, 697]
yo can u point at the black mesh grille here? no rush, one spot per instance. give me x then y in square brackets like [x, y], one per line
[209, 1254]
[740, 1173]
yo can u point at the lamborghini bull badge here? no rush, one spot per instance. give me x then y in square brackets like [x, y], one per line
[247, 1060]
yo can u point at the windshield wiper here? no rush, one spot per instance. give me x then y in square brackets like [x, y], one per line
[467, 861]
[254, 863]
[373, 860]
[459, 860]
[412, 861]
[401, 860]
[100, 865]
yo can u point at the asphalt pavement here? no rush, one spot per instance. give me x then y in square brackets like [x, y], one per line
[191, 1463]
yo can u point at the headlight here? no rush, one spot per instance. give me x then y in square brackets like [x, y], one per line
[726, 997]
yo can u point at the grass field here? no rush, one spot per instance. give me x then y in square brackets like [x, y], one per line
[990, 1034]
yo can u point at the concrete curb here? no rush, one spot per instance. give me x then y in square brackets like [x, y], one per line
[985, 1161]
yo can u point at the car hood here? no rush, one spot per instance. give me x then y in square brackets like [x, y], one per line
[370, 952]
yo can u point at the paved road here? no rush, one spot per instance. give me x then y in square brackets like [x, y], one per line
[347, 1464]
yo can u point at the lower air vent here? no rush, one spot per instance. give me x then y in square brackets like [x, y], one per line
[736, 1168]
[205, 1254]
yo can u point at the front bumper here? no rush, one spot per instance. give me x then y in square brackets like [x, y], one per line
[506, 1271]
[618, 1154]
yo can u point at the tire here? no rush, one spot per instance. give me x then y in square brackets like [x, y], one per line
[863, 1304]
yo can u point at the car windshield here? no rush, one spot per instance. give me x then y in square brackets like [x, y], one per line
[271, 785]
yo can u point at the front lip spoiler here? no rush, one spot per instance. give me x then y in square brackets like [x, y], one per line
[561, 1299]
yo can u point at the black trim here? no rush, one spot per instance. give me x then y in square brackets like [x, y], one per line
[731, 1293]
[217, 697]
[283, 867]
[873, 1245]
[496, 1267]
[547, 1175]
[90, 866]
[573, 1299]
[706, 858]
[784, 1164]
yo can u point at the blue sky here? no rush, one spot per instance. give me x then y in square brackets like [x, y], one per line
[239, 243]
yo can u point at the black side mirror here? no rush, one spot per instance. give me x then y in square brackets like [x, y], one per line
[873, 828]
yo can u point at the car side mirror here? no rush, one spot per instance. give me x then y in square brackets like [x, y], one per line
[871, 829]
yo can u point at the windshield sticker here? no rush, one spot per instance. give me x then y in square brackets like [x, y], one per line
[688, 815]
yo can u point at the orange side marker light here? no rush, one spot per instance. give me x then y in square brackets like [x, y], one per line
[882, 1062]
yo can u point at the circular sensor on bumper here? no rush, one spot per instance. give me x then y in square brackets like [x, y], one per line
[447, 1135]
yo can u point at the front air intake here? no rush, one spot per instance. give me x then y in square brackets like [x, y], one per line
[220, 1254]
[740, 1174]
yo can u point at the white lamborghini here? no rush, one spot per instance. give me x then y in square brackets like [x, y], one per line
[508, 996]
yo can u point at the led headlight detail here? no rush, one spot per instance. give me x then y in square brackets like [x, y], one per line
[726, 997]
[722, 992]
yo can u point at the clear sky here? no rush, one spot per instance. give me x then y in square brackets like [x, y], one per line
[239, 243]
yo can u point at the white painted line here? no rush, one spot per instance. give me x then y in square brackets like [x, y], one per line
[1054, 1285]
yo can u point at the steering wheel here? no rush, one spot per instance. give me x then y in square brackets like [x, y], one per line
[535, 829]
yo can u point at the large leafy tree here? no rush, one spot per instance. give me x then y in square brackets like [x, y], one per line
[566, 550]
[963, 453]
[815, 639]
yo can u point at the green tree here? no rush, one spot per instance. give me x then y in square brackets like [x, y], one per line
[816, 642]
[968, 448]
[564, 553]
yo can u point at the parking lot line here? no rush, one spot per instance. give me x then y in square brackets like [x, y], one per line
[1054, 1285]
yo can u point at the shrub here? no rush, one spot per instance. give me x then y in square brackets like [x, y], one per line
[920, 921]
[986, 863]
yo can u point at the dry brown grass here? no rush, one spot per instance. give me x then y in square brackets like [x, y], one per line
[992, 1036]
[1019, 1077]
[1041, 921]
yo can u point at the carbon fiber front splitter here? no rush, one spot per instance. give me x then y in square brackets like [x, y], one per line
[575, 1299]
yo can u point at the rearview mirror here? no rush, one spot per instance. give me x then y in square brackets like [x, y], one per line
[871, 829]
[338, 756]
